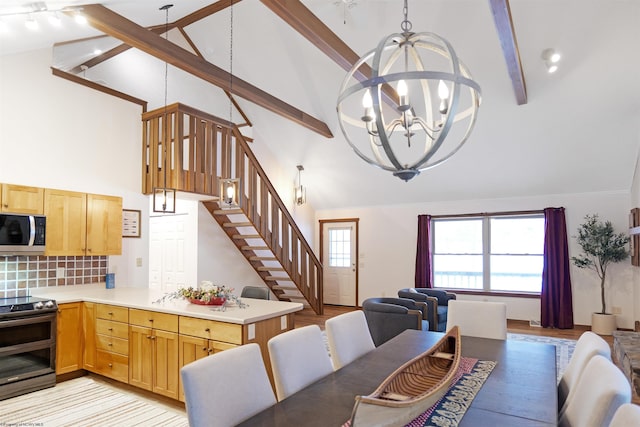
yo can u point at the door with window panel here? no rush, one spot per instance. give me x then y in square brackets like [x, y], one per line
[339, 263]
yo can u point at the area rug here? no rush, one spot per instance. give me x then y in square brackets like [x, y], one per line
[85, 402]
[564, 348]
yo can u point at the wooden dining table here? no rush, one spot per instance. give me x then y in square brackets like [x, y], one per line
[521, 391]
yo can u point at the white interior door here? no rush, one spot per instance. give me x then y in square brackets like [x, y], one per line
[339, 263]
[167, 252]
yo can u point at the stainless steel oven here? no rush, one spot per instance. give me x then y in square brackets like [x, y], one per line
[27, 345]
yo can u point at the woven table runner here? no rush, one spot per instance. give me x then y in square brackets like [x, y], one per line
[471, 375]
[448, 411]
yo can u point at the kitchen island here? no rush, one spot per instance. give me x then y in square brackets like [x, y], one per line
[135, 336]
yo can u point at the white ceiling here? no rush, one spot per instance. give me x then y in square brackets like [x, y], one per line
[579, 131]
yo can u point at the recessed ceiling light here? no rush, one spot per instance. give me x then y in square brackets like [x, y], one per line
[551, 59]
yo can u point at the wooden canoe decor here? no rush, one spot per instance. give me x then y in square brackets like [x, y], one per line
[412, 388]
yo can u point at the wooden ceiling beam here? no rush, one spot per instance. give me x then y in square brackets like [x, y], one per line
[301, 19]
[129, 32]
[504, 25]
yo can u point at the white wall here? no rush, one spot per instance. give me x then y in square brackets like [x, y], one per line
[388, 246]
[58, 134]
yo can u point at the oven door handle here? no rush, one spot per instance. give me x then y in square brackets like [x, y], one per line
[8, 323]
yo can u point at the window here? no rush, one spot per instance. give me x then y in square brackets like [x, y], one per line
[340, 247]
[488, 252]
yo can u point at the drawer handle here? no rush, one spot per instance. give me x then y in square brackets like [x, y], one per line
[207, 330]
[148, 337]
[205, 349]
[110, 344]
[153, 337]
[110, 329]
[151, 320]
[110, 313]
[110, 365]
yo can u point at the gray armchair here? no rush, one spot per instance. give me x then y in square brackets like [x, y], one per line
[436, 299]
[388, 317]
[257, 292]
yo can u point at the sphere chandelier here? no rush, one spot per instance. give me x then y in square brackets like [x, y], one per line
[400, 116]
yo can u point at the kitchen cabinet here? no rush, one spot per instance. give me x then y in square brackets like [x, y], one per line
[89, 335]
[104, 225]
[201, 337]
[82, 224]
[66, 213]
[69, 338]
[21, 199]
[194, 348]
[112, 341]
[153, 356]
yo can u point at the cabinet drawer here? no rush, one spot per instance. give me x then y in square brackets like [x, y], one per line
[153, 319]
[210, 329]
[114, 329]
[113, 365]
[112, 312]
[109, 343]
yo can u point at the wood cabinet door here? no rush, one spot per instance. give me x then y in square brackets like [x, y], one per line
[104, 225]
[166, 369]
[66, 213]
[22, 199]
[140, 357]
[89, 335]
[69, 338]
[190, 350]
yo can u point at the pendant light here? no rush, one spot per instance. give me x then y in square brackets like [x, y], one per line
[405, 118]
[164, 199]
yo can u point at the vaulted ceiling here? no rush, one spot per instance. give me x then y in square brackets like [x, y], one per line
[574, 131]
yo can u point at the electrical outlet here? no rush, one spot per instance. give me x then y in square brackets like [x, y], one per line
[616, 310]
[138, 262]
[60, 273]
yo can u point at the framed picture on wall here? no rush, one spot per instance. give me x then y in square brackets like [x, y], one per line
[130, 223]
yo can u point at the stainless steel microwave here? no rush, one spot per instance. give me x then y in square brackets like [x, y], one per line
[22, 234]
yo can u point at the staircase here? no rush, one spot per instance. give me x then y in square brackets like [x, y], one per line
[204, 150]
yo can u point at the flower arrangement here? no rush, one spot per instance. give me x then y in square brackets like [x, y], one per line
[206, 292]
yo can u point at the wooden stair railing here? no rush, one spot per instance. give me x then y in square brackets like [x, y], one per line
[201, 151]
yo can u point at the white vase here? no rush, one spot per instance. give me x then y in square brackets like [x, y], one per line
[603, 324]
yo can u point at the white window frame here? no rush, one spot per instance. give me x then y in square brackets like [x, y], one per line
[486, 249]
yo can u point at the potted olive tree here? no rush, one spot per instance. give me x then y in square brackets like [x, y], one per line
[601, 246]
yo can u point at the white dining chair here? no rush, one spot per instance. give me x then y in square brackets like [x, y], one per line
[298, 358]
[478, 318]
[348, 337]
[627, 415]
[235, 381]
[600, 391]
[588, 345]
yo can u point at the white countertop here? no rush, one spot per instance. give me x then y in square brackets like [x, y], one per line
[145, 299]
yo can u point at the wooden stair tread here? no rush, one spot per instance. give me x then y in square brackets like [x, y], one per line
[246, 236]
[237, 224]
[276, 278]
[283, 288]
[228, 212]
[262, 258]
[255, 248]
[267, 268]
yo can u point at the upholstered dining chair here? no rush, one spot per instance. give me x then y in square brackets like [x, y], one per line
[478, 318]
[588, 345]
[298, 358]
[256, 292]
[348, 337]
[437, 301]
[627, 415]
[601, 390]
[236, 377]
[388, 317]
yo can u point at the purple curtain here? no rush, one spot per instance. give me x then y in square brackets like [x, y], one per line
[556, 305]
[423, 253]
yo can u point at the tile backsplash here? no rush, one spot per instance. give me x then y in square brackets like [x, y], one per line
[18, 274]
